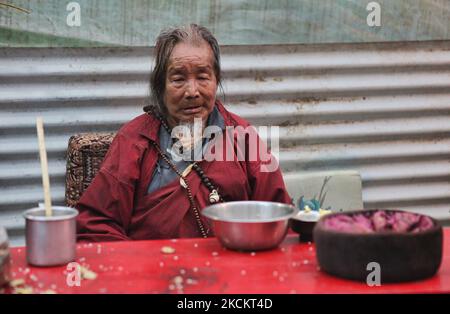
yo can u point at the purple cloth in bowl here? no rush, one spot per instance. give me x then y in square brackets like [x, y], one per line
[407, 246]
[379, 221]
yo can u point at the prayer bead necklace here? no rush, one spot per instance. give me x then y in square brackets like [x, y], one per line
[188, 190]
[214, 195]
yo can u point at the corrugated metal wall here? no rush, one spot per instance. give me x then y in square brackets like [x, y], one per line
[381, 109]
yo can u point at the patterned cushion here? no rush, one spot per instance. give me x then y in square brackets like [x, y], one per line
[5, 263]
[85, 154]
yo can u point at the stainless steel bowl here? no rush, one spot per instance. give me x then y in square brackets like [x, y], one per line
[250, 225]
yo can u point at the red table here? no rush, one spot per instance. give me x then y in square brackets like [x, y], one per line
[203, 266]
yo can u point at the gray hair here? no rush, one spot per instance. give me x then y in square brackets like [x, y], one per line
[165, 43]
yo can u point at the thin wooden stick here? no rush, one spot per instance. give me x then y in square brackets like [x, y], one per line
[44, 167]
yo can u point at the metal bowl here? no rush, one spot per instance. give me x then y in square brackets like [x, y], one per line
[250, 225]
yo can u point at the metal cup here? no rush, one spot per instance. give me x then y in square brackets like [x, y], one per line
[51, 240]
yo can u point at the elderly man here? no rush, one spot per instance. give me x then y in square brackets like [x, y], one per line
[153, 183]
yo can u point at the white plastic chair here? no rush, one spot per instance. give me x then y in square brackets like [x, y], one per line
[342, 191]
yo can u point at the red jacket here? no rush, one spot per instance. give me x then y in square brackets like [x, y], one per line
[116, 205]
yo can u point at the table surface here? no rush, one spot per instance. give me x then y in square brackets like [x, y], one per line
[204, 266]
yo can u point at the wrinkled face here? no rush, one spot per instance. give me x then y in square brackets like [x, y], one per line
[191, 84]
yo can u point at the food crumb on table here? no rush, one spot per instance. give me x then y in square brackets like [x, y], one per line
[190, 281]
[23, 290]
[17, 282]
[178, 280]
[19, 287]
[167, 250]
[87, 273]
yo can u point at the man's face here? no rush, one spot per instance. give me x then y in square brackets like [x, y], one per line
[191, 84]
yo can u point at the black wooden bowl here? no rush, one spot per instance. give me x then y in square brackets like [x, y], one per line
[401, 255]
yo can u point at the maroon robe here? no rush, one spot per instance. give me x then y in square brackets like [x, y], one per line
[116, 205]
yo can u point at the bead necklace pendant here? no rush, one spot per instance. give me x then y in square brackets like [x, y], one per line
[214, 197]
[184, 175]
[187, 170]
